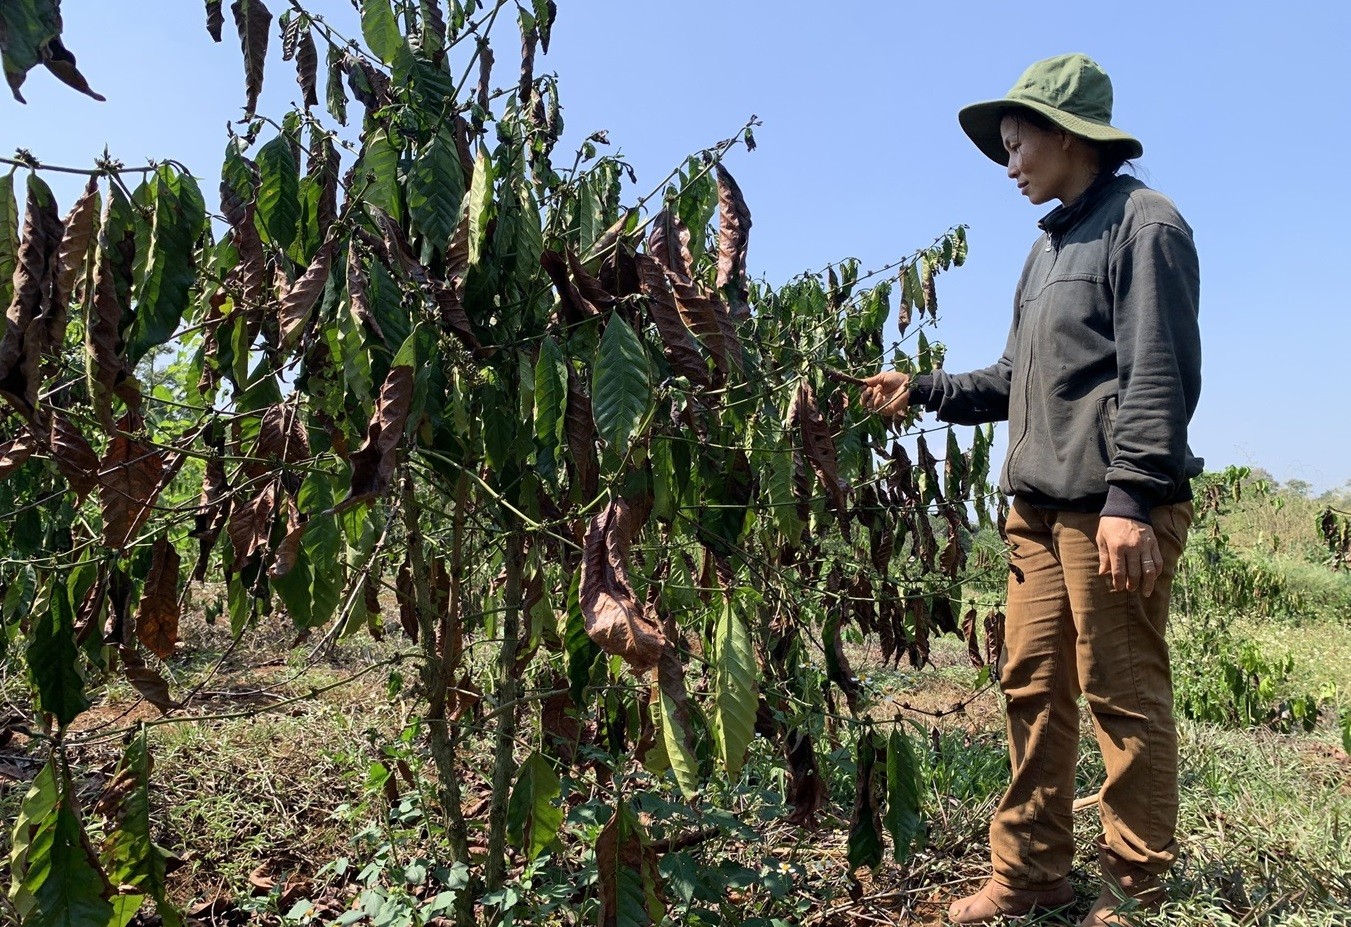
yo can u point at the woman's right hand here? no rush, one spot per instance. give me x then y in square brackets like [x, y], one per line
[887, 393]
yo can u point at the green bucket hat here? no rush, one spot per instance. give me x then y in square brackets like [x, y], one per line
[1073, 91]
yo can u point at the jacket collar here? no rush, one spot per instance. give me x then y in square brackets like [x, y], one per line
[1066, 216]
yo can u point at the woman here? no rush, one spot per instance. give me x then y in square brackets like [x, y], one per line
[1098, 381]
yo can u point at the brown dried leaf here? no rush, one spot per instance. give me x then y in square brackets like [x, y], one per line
[212, 509]
[529, 39]
[707, 318]
[681, 350]
[926, 282]
[250, 526]
[24, 340]
[615, 619]
[969, 625]
[152, 686]
[71, 257]
[461, 698]
[61, 62]
[253, 21]
[293, 314]
[890, 616]
[358, 298]
[953, 558]
[734, 226]
[669, 243]
[250, 273]
[575, 307]
[307, 68]
[806, 792]
[485, 71]
[157, 618]
[994, 637]
[129, 483]
[901, 477]
[453, 317]
[581, 434]
[119, 607]
[73, 456]
[288, 551]
[214, 19]
[559, 727]
[903, 310]
[592, 290]
[406, 595]
[103, 342]
[917, 643]
[281, 435]
[373, 463]
[15, 452]
[818, 446]
[457, 253]
[928, 465]
[324, 165]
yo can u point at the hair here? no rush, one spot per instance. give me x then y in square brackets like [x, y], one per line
[1111, 155]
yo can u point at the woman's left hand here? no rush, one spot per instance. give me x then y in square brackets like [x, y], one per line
[1128, 554]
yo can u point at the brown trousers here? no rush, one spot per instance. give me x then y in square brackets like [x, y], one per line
[1068, 634]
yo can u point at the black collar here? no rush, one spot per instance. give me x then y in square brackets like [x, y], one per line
[1066, 216]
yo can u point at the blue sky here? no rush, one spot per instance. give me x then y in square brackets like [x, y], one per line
[1244, 109]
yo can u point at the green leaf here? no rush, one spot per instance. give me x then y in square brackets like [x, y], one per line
[734, 694]
[66, 888]
[533, 817]
[675, 721]
[622, 389]
[902, 819]
[480, 205]
[37, 812]
[53, 657]
[582, 651]
[165, 260]
[377, 176]
[633, 892]
[551, 400]
[380, 29]
[308, 234]
[130, 856]
[436, 189]
[387, 306]
[278, 216]
[774, 461]
[1346, 730]
[322, 546]
[953, 465]
[9, 238]
[959, 251]
[336, 96]
[865, 838]
[294, 589]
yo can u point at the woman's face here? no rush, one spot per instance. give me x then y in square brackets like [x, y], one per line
[1039, 160]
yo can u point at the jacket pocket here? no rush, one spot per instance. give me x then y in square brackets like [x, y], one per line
[1107, 426]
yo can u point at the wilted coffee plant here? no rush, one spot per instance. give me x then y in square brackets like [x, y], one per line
[440, 375]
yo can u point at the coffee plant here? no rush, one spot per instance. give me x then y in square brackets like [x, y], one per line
[620, 494]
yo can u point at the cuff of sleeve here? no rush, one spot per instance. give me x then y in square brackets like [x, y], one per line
[1126, 503]
[922, 392]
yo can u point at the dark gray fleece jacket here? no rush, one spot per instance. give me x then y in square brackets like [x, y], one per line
[1102, 368]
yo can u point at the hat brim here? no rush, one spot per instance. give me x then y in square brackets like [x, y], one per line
[981, 121]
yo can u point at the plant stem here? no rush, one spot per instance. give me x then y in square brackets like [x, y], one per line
[437, 673]
[504, 760]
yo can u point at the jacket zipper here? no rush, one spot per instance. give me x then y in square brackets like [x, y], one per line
[1027, 380]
